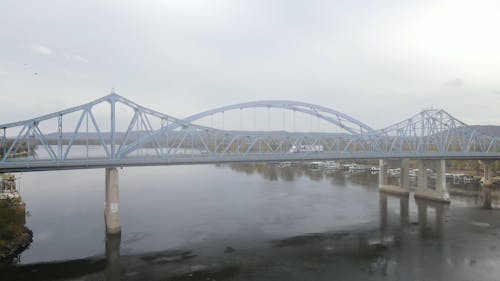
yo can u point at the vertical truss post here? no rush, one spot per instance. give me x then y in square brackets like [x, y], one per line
[59, 138]
[87, 135]
[4, 141]
[113, 127]
[166, 139]
[30, 130]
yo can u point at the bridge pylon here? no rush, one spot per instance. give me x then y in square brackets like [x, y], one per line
[112, 203]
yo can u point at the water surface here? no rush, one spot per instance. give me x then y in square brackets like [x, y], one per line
[252, 222]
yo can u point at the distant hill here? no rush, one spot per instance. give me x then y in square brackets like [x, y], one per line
[490, 130]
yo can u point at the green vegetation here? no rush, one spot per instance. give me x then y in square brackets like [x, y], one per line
[470, 165]
[21, 147]
[12, 219]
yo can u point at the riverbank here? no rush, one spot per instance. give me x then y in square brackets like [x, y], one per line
[11, 249]
[14, 235]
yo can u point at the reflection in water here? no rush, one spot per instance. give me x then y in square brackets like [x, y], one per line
[290, 172]
[476, 195]
[439, 210]
[271, 172]
[338, 230]
[113, 268]
[403, 209]
[423, 207]
[92, 268]
[487, 197]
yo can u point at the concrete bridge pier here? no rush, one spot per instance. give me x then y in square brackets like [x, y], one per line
[112, 203]
[438, 192]
[404, 180]
[488, 172]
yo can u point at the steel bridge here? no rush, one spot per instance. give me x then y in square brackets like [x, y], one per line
[113, 132]
[69, 139]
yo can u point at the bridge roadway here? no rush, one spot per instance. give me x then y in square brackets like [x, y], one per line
[83, 163]
[431, 137]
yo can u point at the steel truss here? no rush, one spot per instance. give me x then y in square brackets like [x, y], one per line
[154, 138]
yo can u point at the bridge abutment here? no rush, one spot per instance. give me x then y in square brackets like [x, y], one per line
[404, 182]
[112, 203]
[437, 191]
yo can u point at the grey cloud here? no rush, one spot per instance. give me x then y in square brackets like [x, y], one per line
[74, 57]
[181, 57]
[42, 50]
[457, 82]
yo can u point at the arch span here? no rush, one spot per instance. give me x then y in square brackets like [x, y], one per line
[337, 118]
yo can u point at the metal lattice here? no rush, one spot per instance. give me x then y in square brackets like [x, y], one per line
[154, 138]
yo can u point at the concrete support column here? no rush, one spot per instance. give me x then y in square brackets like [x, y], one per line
[441, 176]
[382, 174]
[439, 193]
[112, 203]
[404, 180]
[422, 176]
[488, 172]
[383, 181]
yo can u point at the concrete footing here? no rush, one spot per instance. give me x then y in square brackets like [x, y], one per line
[112, 203]
[394, 189]
[433, 195]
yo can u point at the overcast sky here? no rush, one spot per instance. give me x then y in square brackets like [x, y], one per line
[378, 61]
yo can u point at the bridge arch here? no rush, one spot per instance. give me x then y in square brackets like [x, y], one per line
[335, 117]
[339, 119]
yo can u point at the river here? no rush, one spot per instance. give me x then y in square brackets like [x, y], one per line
[251, 222]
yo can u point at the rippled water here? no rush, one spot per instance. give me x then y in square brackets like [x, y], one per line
[252, 222]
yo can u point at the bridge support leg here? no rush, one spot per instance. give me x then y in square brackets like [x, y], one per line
[112, 203]
[488, 172]
[422, 177]
[404, 183]
[439, 192]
